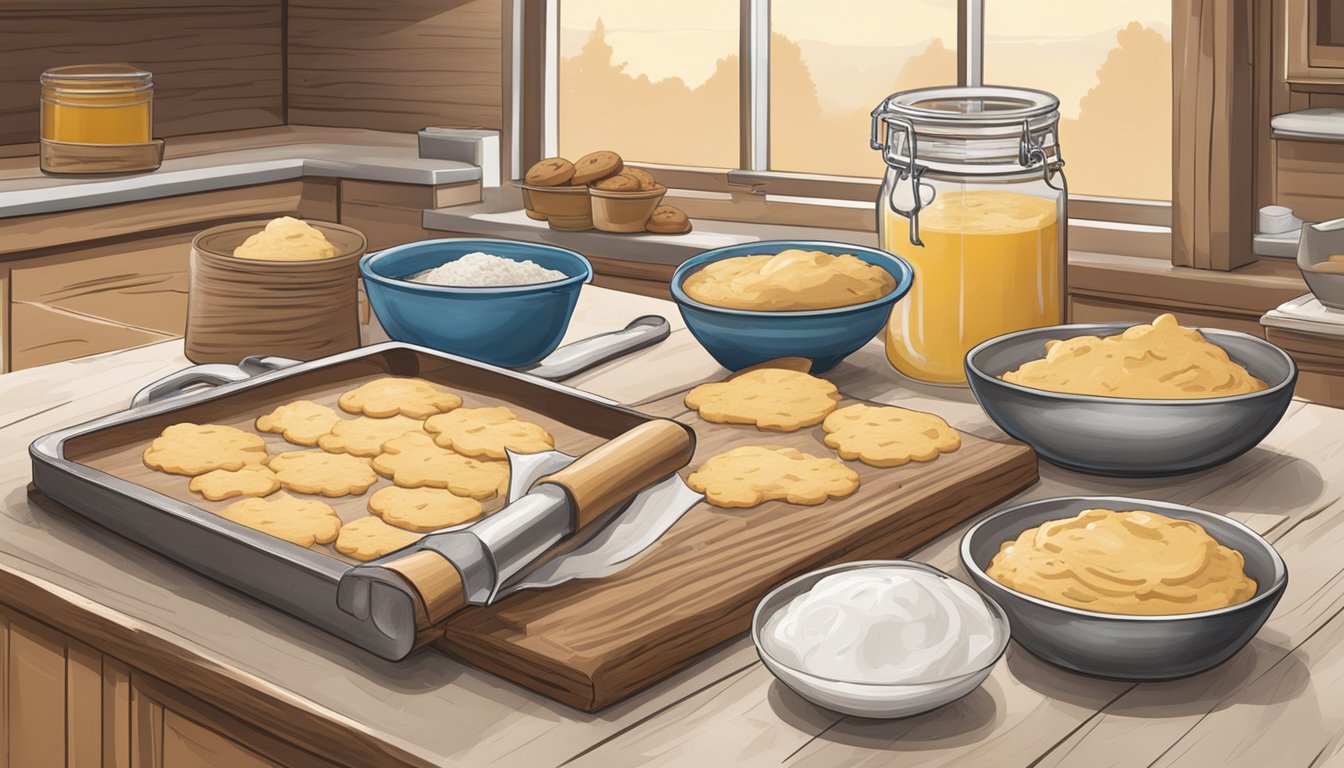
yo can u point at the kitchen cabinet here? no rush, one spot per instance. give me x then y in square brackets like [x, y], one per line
[62, 702]
[81, 282]
[87, 281]
[390, 214]
[1315, 41]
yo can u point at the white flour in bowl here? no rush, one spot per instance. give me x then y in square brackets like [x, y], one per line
[480, 270]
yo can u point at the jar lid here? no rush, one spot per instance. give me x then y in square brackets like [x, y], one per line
[961, 132]
[98, 77]
[984, 130]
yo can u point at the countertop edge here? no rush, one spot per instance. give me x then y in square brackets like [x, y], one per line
[311, 160]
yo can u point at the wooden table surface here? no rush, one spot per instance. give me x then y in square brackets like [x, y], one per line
[1279, 702]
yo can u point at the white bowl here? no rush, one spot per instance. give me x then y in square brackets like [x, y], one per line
[863, 699]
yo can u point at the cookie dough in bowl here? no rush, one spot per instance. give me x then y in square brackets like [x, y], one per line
[792, 279]
[1127, 435]
[789, 298]
[1143, 636]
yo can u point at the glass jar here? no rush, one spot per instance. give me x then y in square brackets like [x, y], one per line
[974, 197]
[97, 104]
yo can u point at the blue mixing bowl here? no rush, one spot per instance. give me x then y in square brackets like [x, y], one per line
[508, 326]
[739, 338]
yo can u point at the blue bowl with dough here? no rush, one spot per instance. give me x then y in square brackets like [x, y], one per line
[739, 338]
[508, 326]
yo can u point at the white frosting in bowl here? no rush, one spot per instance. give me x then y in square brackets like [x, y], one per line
[884, 625]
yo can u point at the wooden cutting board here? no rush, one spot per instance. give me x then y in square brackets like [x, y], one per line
[592, 643]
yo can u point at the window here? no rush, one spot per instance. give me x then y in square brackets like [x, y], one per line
[770, 89]
[1110, 66]
[654, 81]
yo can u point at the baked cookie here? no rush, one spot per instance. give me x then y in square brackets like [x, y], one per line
[319, 472]
[768, 398]
[751, 475]
[487, 433]
[668, 220]
[301, 422]
[369, 538]
[302, 521]
[391, 395]
[551, 172]
[221, 484]
[646, 180]
[414, 461]
[886, 436]
[596, 165]
[621, 182]
[422, 509]
[365, 436]
[194, 449]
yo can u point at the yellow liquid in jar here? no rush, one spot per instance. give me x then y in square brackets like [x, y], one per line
[104, 119]
[990, 265]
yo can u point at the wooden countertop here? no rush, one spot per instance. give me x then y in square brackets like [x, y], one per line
[234, 159]
[1275, 703]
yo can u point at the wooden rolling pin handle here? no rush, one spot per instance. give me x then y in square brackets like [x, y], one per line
[616, 470]
[435, 580]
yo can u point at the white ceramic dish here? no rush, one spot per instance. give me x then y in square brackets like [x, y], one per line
[862, 699]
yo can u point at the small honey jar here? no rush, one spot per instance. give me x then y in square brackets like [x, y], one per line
[98, 118]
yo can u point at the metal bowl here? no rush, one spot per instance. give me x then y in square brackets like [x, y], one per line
[1122, 436]
[1119, 646]
[867, 699]
[1317, 243]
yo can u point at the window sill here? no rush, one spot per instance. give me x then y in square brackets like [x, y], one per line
[644, 262]
[668, 250]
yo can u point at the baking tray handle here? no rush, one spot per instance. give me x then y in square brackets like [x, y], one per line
[210, 375]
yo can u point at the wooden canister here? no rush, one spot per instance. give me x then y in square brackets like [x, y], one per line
[298, 309]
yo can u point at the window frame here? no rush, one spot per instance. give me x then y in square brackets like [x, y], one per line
[1149, 222]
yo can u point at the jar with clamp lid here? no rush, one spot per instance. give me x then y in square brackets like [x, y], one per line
[974, 197]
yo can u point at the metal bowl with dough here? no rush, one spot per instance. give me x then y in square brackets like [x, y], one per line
[1121, 646]
[1121, 436]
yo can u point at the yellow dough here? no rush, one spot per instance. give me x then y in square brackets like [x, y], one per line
[769, 398]
[302, 521]
[221, 484]
[369, 538]
[422, 509]
[1162, 361]
[487, 432]
[1136, 563]
[194, 449]
[886, 436]
[789, 280]
[752, 475]
[327, 474]
[365, 436]
[301, 422]
[415, 461]
[416, 398]
[1332, 265]
[287, 239]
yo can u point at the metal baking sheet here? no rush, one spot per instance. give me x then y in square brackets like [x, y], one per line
[94, 470]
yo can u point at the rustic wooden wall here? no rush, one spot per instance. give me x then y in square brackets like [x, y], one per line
[395, 66]
[218, 64]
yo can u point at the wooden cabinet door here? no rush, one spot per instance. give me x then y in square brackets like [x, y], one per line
[62, 703]
[172, 729]
[60, 700]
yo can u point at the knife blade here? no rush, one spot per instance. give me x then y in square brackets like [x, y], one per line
[453, 569]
